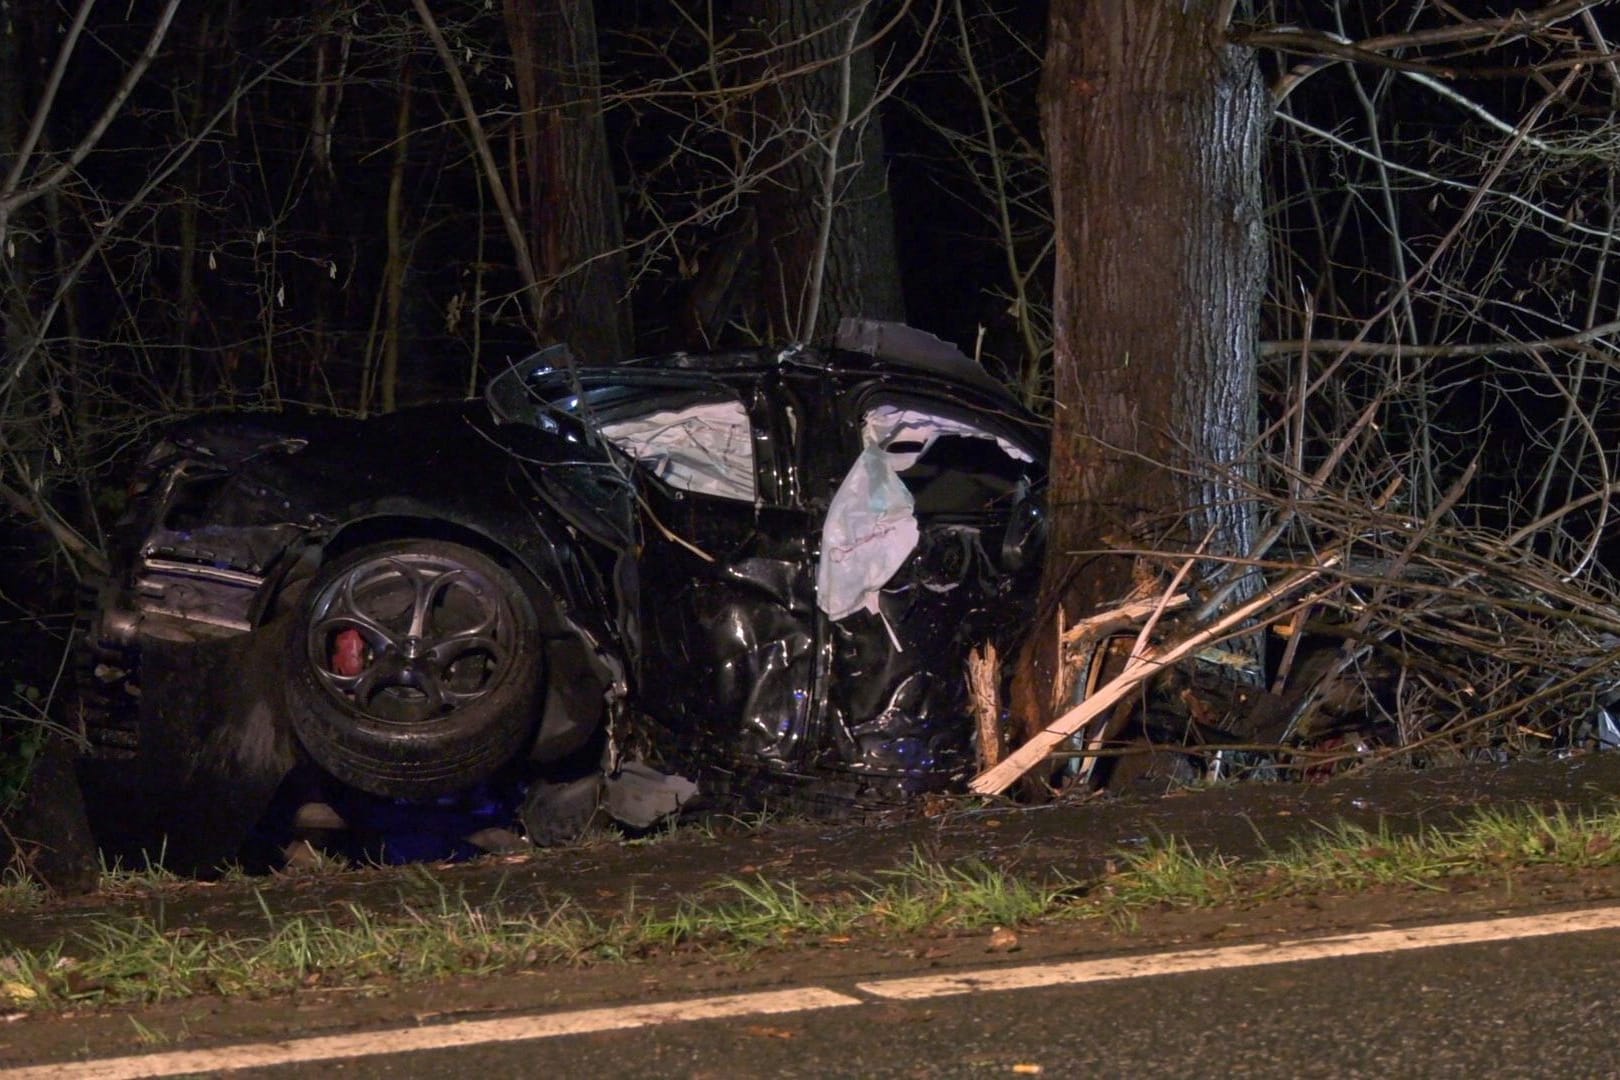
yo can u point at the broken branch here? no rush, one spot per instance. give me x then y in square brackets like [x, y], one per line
[1150, 661]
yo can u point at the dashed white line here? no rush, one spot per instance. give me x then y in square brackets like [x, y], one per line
[988, 980]
[438, 1036]
[1242, 956]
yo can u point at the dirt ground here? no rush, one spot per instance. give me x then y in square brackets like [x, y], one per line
[1067, 841]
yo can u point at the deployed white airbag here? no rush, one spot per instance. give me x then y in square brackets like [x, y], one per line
[870, 531]
[871, 524]
[707, 448]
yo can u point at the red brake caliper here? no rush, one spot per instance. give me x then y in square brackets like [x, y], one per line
[348, 653]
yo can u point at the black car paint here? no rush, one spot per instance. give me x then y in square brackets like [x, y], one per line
[687, 623]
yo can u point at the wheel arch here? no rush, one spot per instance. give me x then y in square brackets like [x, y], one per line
[378, 528]
[303, 562]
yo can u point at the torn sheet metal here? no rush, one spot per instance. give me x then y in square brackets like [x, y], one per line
[908, 433]
[908, 347]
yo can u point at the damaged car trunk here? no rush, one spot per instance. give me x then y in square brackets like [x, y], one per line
[759, 571]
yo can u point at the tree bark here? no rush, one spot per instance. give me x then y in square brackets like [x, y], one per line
[860, 274]
[398, 253]
[570, 201]
[1154, 129]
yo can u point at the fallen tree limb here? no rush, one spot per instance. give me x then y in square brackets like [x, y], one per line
[1083, 636]
[984, 675]
[1114, 619]
[1148, 662]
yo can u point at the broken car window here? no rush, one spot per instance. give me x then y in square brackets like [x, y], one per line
[694, 439]
[960, 474]
[706, 448]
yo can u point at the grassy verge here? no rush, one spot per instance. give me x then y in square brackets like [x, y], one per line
[137, 962]
[18, 892]
[1351, 859]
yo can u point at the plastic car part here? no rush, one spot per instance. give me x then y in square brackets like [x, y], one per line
[415, 668]
[635, 794]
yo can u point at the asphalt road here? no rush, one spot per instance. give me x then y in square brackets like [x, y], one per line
[1542, 1006]
[1546, 1007]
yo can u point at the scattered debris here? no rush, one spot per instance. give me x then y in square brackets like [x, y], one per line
[1401, 638]
[1145, 661]
[1003, 940]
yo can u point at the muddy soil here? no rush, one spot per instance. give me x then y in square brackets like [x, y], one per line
[1071, 842]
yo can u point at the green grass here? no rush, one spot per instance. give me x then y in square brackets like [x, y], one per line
[137, 961]
[121, 880]
[19, 892]
[926, 896]
[1347, 858]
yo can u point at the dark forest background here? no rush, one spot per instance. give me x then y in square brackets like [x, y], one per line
[359, 206]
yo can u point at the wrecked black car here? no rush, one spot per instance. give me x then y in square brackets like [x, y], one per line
[761, 571]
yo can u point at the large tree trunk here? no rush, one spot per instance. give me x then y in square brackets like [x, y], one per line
[569, 200]
[1154, 129]
[859, 270]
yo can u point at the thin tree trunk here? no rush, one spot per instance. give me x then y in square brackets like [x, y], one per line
[332, 52]
[398, 258]
[187, 306]
[1154, 129]
[11, 96]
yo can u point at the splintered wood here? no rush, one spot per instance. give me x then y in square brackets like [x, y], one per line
[1146, 661]
[984, 676]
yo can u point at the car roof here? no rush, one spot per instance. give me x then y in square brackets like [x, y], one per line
[860, 346]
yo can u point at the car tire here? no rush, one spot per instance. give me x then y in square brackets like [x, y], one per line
[414, 668]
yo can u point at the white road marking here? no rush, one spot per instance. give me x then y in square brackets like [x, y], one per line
[439, 1036]
[522, 1028]
[1242, 956]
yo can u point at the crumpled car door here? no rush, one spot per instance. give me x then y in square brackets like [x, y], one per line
[914, 573]
[727, 645]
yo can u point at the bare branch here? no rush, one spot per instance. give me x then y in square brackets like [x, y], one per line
[12, 199]
[491, 171]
